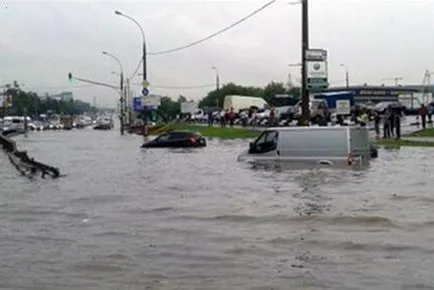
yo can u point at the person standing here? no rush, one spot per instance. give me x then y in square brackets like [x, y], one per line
[222, 118]
[377, 119]
[210, 118]
[386, 124]
[398, 124]
[231, 116]
[271, 119]
[392, 121]
[423, 112]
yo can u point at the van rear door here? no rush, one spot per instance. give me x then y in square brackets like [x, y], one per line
[360, 147]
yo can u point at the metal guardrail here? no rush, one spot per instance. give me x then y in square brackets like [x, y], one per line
[22, 162]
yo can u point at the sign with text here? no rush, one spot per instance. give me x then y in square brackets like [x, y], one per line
[343, 107]
[137, 104]
[189, 107]
[316, 70]
[316, 54]
[151, 101]
[316, 67]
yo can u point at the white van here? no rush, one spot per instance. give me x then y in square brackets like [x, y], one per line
[331, 146]
[14, 122]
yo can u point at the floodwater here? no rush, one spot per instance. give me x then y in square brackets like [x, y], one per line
[126, 218]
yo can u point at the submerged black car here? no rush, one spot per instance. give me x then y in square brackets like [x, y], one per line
[177, 139]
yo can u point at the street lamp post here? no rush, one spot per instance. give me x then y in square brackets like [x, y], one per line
[145, 75]
[121, 89]
[347, 79]
[217, 83]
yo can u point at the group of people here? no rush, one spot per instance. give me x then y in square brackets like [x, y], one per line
[224, 116]
[391, 120]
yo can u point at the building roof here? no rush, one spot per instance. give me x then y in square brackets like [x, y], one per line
[408, 89]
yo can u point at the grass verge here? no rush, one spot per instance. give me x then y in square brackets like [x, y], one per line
[422, 133]
[243, 133]
[403, 143]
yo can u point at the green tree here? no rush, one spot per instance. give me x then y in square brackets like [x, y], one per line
[216, 98]
[35, 105]
[169, 108]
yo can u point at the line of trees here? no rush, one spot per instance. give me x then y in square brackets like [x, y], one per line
[169, 107]
[35, 105]
[216, 98]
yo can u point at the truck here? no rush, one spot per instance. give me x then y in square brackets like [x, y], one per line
[337, 102]
[243, 102]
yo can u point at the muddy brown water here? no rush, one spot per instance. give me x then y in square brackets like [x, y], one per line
[129, 218]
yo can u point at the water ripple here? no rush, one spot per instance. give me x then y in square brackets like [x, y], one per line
[127, 218]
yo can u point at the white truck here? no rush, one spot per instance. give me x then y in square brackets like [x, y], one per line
[243, 102]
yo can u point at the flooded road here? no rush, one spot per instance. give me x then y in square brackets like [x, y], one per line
[126, 218]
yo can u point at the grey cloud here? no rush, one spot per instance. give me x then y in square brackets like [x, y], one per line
[377, 39]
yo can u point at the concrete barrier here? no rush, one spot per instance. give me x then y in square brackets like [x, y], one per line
[22, 162]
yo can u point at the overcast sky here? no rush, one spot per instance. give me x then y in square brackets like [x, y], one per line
[40, 42]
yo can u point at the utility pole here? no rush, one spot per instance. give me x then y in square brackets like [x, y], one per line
[304, 47]
[347, 79]
[4, 109]
[122, 104]
[128, 104]
[217, 83]
[218, 88]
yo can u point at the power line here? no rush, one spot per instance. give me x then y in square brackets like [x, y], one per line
[30, 87]
[179, 87]
[58, 87]
[215, 33]
[205, 38]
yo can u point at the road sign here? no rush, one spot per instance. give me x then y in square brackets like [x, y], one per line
[145, 84]
[137, 104]
[145, 91]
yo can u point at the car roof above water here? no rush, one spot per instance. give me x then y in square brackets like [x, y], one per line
[186, 132]
[319, 128]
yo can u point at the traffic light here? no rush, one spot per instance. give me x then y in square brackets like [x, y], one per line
[70, 77]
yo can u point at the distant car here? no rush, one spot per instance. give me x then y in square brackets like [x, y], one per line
[382, 106]
[177, 139]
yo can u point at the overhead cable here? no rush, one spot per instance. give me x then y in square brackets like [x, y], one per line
[205, 38]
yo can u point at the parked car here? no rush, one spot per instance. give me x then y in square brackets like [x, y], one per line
[177, 139]
[382, 106]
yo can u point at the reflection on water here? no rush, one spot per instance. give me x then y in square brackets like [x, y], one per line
[129, 218]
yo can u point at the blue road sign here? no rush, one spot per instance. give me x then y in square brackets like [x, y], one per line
[145, 91]
[137, 104]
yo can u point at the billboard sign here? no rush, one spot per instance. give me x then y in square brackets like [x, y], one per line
[189, 107]
[316, 70]
[316, 67]
[137, 104]
[151, 101]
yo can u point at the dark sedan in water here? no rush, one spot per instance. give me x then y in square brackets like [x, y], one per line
[177, 139]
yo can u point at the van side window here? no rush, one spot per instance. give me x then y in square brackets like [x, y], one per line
[266, 142]
[271, 137]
